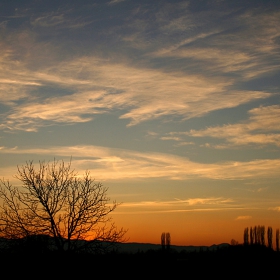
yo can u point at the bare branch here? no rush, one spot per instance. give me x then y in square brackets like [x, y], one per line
[54, 201]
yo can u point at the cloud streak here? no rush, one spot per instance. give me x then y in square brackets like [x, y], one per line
[241, 218]
[245, 51]
[144, 93]
[179, 202]
[275, 208]
[119, 164]
[262, 128]
[177, 205]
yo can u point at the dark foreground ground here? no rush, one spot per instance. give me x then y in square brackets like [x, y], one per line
[233, 262]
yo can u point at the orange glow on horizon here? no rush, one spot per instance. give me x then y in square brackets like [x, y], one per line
[195, 229]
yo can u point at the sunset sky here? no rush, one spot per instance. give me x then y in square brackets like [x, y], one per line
[172, 105]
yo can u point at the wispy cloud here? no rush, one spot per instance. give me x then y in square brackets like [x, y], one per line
[62, 19]
[173, 50]
[142, 91]
[162, 211]
[117, 164]
[179, 202]
[49, 20]
[183, 143]
[57, 109]
[123, 87]
[243, 218]
[112, 2]
[178, 205]
[225, 50]
[275, 208]
[211, 200]
[256, 190]
[262, 128]
[171, 138]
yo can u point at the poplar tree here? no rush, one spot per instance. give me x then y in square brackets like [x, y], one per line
[163, 241]
[269, 237]
[167, 240]
[251, 236]
[277, 240]
[246, 236]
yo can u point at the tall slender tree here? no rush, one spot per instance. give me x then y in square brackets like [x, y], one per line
[277, 239]
[256, 234]
[252, 236]
[163, 241]
[246, 236]
[167, 240]
[262, 235]
[269, 237]
[259, 234]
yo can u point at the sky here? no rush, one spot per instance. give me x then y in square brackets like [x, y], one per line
[172, 105]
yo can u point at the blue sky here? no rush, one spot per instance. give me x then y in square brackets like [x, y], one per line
[173, 105]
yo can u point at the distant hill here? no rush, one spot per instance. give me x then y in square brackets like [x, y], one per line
[130, 247]
[135, 247]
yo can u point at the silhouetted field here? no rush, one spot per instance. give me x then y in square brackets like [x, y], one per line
[224, 263]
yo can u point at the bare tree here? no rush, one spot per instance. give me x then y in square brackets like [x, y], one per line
[233, 242]
[56, 202]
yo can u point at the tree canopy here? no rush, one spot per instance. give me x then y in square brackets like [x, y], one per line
[55, 201]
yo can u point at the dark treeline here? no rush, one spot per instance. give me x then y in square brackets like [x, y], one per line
[249, 259]
[254, 257]
[258, 235]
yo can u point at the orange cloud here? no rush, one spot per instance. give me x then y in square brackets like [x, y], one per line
[243, 218]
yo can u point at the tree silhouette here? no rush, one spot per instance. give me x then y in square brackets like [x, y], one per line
[233, 242]
[262, 235]
[256, 235]
[56, 202]
[252, 241]
[246, 236]
[277, 239]
[163, 241]
[167, 240]
[269, 237]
